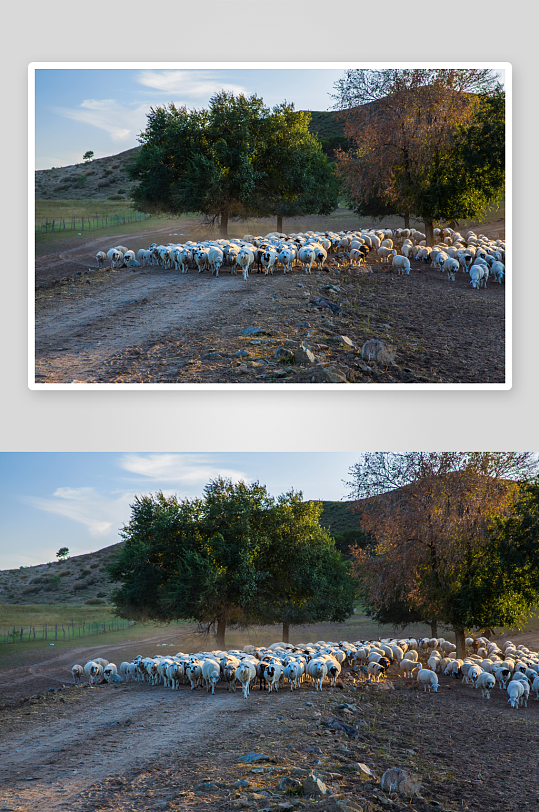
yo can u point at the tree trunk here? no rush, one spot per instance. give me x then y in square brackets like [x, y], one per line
[434, 628]
[286, 632]
[460, 639]
[223, 227]
[280, 230]
[220, 636]
[407, 219]
[429, 232]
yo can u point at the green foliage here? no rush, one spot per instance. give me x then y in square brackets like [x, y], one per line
[467, 180]
[235, 159]
[53, 583]
[94, 602]
[116, 197]
[81, 180]
[62, 553]
[501, 586]
[237, 556]
[88, 155]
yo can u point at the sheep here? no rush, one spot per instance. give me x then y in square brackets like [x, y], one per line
[245, 259]
[486, 682]
[408, 666]
[109, 672]
[211, 673]
[307, 256]
[515, 690]
[245, 673]
[535, 687]
[497, 271]
[450, 267]
[317, 670]
[428, 679]
[473, 674]
[385, 253]
[477, 273]
[402, 264]
[77, 671]
[94, 671]
[115, 258]
[129, 258]
[101, 258]
[269, 258]
[375, 670]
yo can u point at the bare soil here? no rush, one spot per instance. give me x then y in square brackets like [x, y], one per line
[132, 747]
[149, 325]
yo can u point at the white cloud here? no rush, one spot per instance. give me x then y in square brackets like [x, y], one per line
[199, 84]
[122, 123]
[190, 471]
[102, 515]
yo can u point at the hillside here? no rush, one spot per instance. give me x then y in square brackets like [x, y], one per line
[96, 180]
[84, 577]
[103, 177]
[75, 581]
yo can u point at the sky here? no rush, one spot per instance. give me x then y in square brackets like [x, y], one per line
[81, 500]
[103, 110]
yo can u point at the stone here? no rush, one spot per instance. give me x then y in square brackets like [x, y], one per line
[378, 351]
[241, 783]
[207, 786]
[364, 772]
[242, 354]
[253, 331]
[284, 355]
[252, 757]
[334, 375]
[300, 771]
[313, 785]
[303, 355]
[401, 781]
[289, 783]
[346, 343]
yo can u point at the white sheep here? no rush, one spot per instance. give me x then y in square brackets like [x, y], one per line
[486, 682]
[428, 679]
[245, 673]
[515, 690]
[402, 264]
[77, 672]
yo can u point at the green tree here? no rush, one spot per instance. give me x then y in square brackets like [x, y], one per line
[405, 125]
[88, 155]
[303, 577]
[62, 553]
[431, 515]
[233, 160]
[235, 557]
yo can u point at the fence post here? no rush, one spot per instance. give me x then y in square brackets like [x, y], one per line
[34, 632]
[22, 632]
[56, 631]
[64, 631]
[45, 631]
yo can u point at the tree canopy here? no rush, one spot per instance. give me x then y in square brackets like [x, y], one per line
[235, 557]
[235, 159]
[432, 515]
[426, 142]
[62, 553]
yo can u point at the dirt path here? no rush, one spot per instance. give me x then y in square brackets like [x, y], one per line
[157, 326]
[134, 746]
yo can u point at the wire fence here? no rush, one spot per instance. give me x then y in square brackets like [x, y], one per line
[89, 223]
[62, 631]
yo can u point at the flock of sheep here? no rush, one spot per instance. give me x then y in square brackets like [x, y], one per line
[515, 668]
[474, 254]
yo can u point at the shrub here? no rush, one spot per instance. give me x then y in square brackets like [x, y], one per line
[63, 573]
[103, 183]
[83, 574]
[94, 601]
[79, 587]
[115, 197]
[81, 180]
[122, 191]
[93, 566]
[116, 166]
[101, 594]
[28, 590]
[90, 172]
[53, 583]
[107, 172]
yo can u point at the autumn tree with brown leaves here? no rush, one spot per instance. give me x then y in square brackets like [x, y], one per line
[401, 121]
[430, 515]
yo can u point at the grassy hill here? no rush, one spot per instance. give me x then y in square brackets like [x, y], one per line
[105, 177]
[84, 577]
[96, 180]
[75, 581]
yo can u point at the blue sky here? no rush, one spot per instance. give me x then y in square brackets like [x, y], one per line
[80, 500]
[103, 110]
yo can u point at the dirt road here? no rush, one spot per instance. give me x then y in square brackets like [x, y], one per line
[156, 326]
[135, 746]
